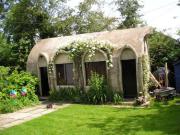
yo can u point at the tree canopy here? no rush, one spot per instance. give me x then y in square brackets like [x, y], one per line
[129, 11]
[162, 49]
[5, 51]
[23, 22]
[30, 20]
[87, 20]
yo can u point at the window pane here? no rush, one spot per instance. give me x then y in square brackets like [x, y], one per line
[98, 67]
[69, 73]
[64, 74]
[61, 80]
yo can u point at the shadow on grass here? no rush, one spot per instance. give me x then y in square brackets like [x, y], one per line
[162, 120]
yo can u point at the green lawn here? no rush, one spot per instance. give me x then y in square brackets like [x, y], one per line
[103, 120]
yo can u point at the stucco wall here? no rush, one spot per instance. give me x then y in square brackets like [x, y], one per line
[127, 44]
[127, 54]
[42, 62]
[113, 75]
[99, 56]
[62, 58]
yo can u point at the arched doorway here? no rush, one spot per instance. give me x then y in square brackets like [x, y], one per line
[128, 73]
[43, 72]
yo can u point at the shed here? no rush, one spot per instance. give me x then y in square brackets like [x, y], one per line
[128, 57]
[177, 75]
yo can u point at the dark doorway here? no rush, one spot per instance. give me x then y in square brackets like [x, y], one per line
[129, 78]
[44, 81]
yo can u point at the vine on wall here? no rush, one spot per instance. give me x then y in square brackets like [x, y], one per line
[77, 49]
[146, 74]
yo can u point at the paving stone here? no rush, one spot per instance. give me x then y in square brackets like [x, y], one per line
[13, 123]
[20, 115]
[27, 110]
[37, 111]
[6, 121]
[11, 119]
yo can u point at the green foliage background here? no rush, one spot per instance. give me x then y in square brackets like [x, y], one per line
[14, 80]
[162, 49]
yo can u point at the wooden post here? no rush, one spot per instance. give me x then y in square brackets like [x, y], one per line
[154, 80]
[166, 75]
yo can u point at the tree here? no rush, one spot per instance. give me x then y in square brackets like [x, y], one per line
[30, 20]
[5, 5]
[27, 21]
[129, 10]
[88, 20]
[5, 51]
[178, 3]
[163, 49]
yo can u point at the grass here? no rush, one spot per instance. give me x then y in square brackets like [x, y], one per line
[104, 120]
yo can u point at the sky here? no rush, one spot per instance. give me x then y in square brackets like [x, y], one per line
[161, 14]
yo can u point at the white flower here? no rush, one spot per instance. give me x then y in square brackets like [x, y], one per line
[73, 49]
[90, 55]
[110, 56]
[111, 65]
[93, 48]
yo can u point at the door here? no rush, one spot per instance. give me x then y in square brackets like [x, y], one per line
[44, 81]
[129, 78]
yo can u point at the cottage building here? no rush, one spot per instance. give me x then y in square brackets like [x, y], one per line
[127, 74]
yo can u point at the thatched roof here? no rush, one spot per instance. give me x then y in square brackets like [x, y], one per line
[118, 38]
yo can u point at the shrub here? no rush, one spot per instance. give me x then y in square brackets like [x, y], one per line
[4, 72]
[117, 98]
[67, 94]
[97, 91]
[14, 83]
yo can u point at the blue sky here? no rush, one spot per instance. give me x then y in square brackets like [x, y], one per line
[162, 14]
